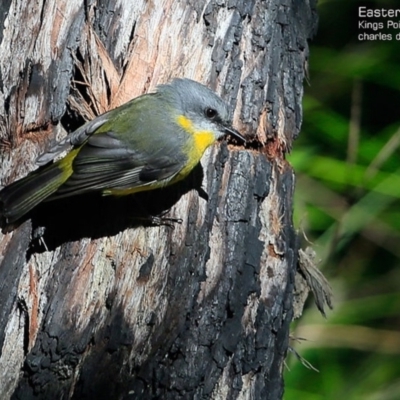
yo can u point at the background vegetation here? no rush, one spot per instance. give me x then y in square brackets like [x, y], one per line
[347, 162]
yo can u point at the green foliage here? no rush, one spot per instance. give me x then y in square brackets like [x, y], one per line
[347, 163]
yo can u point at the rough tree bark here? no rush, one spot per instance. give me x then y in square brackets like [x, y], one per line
[94, 302]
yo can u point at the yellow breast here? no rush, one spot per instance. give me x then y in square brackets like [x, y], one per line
[196, 146]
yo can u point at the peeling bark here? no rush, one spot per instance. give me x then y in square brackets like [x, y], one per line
[95, 303]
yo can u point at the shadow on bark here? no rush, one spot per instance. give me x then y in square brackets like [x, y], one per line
[95, 216]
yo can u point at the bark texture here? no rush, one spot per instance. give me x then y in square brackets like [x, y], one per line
[95, 302]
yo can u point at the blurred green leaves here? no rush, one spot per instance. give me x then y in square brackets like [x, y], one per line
[347, 203]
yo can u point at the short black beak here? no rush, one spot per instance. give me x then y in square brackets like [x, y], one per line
[234, 133]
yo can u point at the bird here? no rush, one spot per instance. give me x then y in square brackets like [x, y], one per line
[150, 142]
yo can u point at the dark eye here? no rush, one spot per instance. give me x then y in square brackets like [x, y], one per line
[210, 113]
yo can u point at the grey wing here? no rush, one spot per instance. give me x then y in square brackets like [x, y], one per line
[105, 162]
[75, 138]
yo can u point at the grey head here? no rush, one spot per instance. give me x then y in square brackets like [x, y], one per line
[205, 109]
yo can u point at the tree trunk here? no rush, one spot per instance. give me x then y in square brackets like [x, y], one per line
[94, 301]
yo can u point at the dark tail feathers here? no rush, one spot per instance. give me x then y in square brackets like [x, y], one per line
[23, 195]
